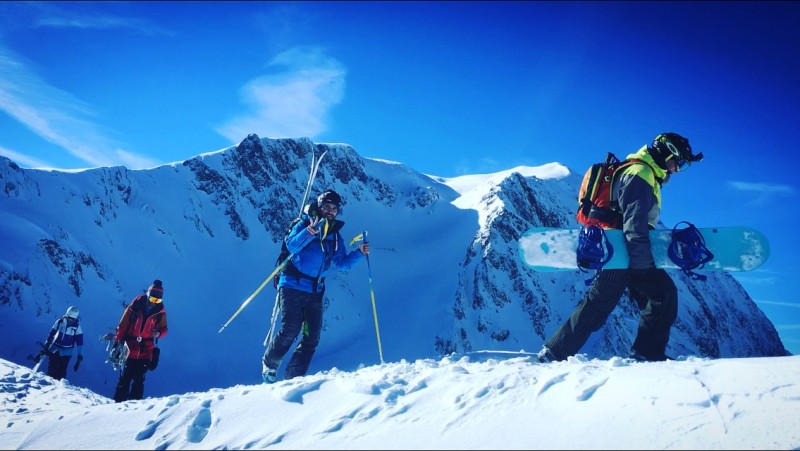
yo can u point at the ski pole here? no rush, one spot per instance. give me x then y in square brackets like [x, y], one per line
[363, 237]
[252, 296]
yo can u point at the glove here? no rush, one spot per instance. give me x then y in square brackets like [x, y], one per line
[77, 363]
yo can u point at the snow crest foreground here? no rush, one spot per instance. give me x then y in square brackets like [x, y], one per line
[482, 400]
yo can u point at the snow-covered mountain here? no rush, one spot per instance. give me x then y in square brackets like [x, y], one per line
[445, 267]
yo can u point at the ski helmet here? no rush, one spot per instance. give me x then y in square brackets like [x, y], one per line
[72, 312]
[329, 197]
[668, 146]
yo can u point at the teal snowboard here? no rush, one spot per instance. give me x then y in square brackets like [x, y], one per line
[735, 249]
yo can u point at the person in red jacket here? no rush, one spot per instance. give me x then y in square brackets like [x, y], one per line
[142, 324]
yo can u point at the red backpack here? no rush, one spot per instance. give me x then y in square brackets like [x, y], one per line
[594, 198]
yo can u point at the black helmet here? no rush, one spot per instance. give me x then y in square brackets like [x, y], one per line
[672, 145]
[329, 197]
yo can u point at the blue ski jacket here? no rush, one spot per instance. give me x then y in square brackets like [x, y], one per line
[314, 255]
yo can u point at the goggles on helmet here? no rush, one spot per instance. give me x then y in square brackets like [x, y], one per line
[682, 162]
[155, 300]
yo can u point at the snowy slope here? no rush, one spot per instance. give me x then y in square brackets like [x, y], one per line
[482, 400]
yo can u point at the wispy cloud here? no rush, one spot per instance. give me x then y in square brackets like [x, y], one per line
[758, 278]
[293, 102]
[103, 22]
[779, 303]
[764, 192]
[22, 159]
[50, 15]
[57, 116]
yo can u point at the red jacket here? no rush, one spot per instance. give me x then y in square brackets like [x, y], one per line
[138, 325]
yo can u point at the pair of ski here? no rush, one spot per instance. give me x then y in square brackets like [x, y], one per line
[315, 162]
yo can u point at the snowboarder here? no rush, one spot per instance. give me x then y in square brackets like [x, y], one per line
[317, 245]
[143, 322]
[637, 189]
[65, 337]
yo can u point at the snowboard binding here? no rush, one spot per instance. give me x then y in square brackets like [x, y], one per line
[688, 250]
[117, 352]
[594, 250]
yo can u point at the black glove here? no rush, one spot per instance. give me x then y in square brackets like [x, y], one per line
[77, 363]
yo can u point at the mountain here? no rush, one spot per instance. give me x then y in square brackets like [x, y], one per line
[446, 272]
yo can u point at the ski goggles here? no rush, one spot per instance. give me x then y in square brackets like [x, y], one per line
[155, 300]
[681, 163]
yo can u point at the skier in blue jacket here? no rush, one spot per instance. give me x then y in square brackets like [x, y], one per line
[317, 246]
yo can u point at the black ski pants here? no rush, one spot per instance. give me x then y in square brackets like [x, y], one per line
[57, 366]
[131, 380]
[655, 294]
[300, 311]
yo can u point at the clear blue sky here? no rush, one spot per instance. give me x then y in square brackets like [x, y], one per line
[449, 88]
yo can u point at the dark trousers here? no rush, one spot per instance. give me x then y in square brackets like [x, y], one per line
[131, 380]
[655, 294]
[57, 366]
[299, 311]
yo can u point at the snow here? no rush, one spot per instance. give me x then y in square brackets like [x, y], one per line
[481, 400]
[465, 183]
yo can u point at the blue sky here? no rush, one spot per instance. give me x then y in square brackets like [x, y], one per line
[449, 88]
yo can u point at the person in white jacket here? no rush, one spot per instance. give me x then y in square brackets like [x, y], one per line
[64, 339]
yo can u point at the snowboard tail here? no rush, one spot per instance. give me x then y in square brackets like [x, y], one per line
[550, 249]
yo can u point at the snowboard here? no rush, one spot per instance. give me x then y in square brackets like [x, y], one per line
[39, 358]
[39, 361]
[549, 249]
